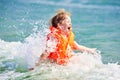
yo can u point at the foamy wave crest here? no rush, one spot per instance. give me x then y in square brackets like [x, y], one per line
[22, 55]
[81, 67]
[19, 56]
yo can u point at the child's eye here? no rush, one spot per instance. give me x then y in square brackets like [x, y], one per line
[67, 21]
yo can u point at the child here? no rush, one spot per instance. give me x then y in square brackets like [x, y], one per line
[60, 41]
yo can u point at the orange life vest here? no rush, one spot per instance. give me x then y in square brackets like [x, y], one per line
[60, 54]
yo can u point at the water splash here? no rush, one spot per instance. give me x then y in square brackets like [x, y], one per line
[17, 57]
[22, 54]
[82, 67]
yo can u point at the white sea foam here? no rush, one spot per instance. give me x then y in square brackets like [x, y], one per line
[82, 67]
[23, 53]
[20, 56]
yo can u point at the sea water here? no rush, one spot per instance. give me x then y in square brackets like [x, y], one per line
[23, 28]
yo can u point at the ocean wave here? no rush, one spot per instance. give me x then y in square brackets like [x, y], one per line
[82, 67]
[17, 57]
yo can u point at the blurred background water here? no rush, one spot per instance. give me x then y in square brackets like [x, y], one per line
[95, 23]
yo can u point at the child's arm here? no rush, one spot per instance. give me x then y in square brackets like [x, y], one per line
[76, 46]
[50, 47]
[43, 56]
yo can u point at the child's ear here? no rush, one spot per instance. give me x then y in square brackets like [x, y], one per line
[59, 26]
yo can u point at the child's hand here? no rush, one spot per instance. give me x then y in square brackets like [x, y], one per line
[91, 50]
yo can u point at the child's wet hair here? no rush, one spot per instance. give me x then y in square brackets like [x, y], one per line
[59, 17]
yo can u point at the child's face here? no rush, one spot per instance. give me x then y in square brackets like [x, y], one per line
[66, 25]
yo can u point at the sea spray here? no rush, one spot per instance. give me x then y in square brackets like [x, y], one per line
[20, 56]
[23, 55]
[87, 68]
[17, 57]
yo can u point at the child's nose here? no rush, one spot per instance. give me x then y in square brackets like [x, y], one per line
[70, 24]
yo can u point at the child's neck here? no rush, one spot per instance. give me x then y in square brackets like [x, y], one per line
[64, 34]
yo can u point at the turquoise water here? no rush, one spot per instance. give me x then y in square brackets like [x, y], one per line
[24, 24]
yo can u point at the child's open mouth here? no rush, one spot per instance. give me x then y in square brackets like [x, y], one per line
[69, 28]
